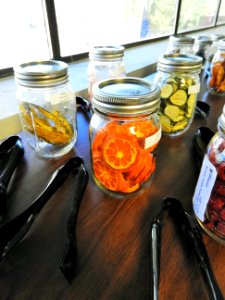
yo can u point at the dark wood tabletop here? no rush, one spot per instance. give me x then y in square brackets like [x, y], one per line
[112, 234]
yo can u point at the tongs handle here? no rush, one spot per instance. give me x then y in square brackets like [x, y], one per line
[193, 237]
[69, 259]
[14, 151]
[11, 152]
[155, 250]
[86, 105]
[13, 231]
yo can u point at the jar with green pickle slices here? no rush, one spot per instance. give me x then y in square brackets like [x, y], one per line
[179, 81]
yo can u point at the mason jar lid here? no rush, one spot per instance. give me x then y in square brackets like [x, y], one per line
[217, 36]
[181, 39]
[179, 63]
[203, 40]
[38, 73]
[106, 52]
[126, 95]
[221, 44]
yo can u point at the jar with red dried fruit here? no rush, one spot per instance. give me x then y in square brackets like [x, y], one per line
[209, 196]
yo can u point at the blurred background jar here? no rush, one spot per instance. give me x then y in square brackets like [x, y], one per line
[180, 44]
[202, 46]
[105, 62]
[215, 38]
[124, 132]
[179, 81]
[47, 107]
[216, 82]
[209, 195]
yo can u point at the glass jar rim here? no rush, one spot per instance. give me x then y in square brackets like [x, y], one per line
[106, 52]
[126, 95]
[179, 63]
[38, 73]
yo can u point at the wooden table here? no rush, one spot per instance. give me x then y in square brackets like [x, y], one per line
[112, 234]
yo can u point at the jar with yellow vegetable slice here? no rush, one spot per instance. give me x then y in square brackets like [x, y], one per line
[47, 107]
[179, 82]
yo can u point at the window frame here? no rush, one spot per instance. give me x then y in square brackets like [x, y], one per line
[51, 22]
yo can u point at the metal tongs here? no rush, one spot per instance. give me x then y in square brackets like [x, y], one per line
[13, 231]
[11, 152]
[192, 236]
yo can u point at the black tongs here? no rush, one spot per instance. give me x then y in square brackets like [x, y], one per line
[13, 231]
[192, 236]
[85, 105]
[11, 152]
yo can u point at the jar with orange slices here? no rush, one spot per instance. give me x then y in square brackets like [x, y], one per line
[124, 132]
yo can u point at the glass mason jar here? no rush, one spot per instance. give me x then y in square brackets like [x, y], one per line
[202, 46]
[105, 62]
[47, 107]
[179, 81]
[209, 195]
[180, 44]
[216, 82]
[215, 38]
[124, 132]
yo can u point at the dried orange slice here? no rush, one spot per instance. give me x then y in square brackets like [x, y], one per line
[142, 169]
[141, 129]
[108, 177]
[120, 152]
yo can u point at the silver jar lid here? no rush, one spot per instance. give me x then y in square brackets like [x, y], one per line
[126, 96]
[181, 39]
[216, 37]
[179, 63]
[106, 52]
[41, 73]
[203, 40]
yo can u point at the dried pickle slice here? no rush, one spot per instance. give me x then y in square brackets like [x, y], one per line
[190, 105]
[166, 91]
[172, 112]
[179, 98]
[165, 122]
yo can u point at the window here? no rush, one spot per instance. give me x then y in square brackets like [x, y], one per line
[23, 32]
[32, 30]
[197, 14]
[221, 17]
[111, 22]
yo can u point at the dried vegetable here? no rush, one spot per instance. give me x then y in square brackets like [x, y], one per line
[50, 127]
[121, 160]
[215, 213]
[177, 104]
[217, 80]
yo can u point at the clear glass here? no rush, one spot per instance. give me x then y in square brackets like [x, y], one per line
[48, 116]
[197, 14]
[23, 30]
[105, 22]
[178, 100]
[213, 213]
[180, 44]
[98, 70]
[216, 81]
[122, 151]
[221, 17]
